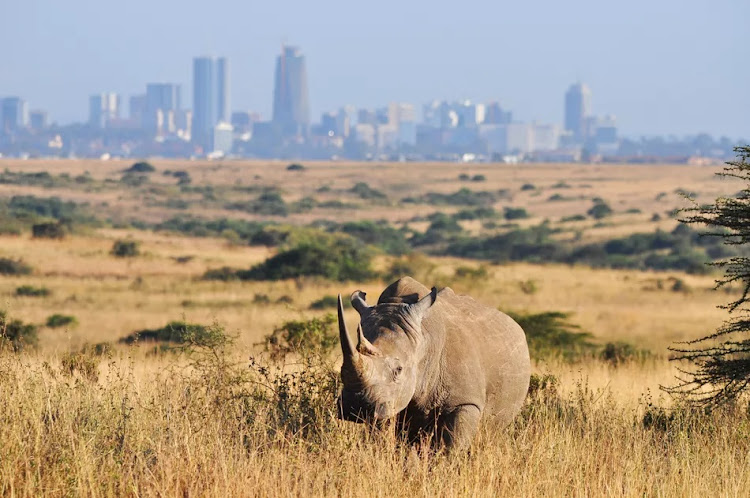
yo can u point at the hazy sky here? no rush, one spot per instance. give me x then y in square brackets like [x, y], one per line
[661, 66]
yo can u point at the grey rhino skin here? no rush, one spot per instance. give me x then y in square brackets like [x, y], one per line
[437, 362]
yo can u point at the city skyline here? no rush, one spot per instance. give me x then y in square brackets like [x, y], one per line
[646, 62]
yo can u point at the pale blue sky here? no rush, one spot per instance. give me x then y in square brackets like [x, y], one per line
[661, 66]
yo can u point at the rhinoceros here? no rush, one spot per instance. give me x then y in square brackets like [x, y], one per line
[437, 362]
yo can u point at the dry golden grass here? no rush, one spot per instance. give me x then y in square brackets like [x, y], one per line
[154, 426]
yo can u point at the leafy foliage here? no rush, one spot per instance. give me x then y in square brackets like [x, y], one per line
[141, 167]
[125, 249]
[58, 320]
[31, 291]
[304, 337]
[16, 334]
[13, 267]
[551, 334]
[721, 360]
[335, 257]
[177, 332]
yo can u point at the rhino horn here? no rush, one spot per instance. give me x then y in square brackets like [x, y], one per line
[364, 346]
[359, 303]
[347, 348]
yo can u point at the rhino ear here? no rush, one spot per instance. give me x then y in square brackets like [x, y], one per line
[419, 309]
[359, 303]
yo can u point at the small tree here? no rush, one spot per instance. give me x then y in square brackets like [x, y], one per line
[721, 360]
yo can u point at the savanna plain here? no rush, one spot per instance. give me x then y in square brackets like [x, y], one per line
[168, 326]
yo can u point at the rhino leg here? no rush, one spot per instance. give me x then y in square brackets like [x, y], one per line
[458, 427]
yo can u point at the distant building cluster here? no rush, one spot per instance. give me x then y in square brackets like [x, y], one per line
[158, 124]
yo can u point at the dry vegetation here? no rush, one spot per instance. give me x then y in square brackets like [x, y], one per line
[204, 420]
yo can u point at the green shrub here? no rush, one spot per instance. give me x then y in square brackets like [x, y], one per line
[600, 210]
[57, 320]
[575, 217]
[31, 291]
[304, 337]
[140, 167]
[295, 167]
[376, 233]
[512, 213]
[16, 334]
[269, 202]
[333, 257]
[550, 334]
[528, 186]
[324, 302]
[478, 178]
[48, 231]
[13, 267]
[125, 249]
[464, 177]
[177, 332]
[364, 191]
[617, 353]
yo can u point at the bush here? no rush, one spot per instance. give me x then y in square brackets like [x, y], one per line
[140, 167]
[364, 191]
[48, 231]
[16, 334]
[13, 267]
[125, 249]
[304, 337]
[528, 186]
[31, 291]
[617, 353]
[478, 178]
[550, 334]
[324, 302]
[269, 202]
[600, 210]
[177, 332]
[575, 217]
[295, 167]
[336, 258]
[511, 213]
[57, 320]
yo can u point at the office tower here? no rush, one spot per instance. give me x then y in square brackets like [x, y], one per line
[103, 108]
[291, 108]
[14, 113]
[163, 101]
[210, 98]
[577, 109]
[404, 118]
[495, 114]
[137, 108]
[38, 120]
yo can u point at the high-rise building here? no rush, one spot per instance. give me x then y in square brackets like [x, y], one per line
[495, 114]
[103, 108]
[137, 108]
[14, 114]
[291, 107]
[163, 101]
[38, 120]
[577, 109]
[210, 98]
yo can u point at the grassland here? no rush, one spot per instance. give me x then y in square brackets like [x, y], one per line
[144, 424]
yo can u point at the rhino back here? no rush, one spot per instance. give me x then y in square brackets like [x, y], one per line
[486, 357]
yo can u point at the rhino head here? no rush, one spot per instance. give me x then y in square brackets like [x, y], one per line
[380, 374]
